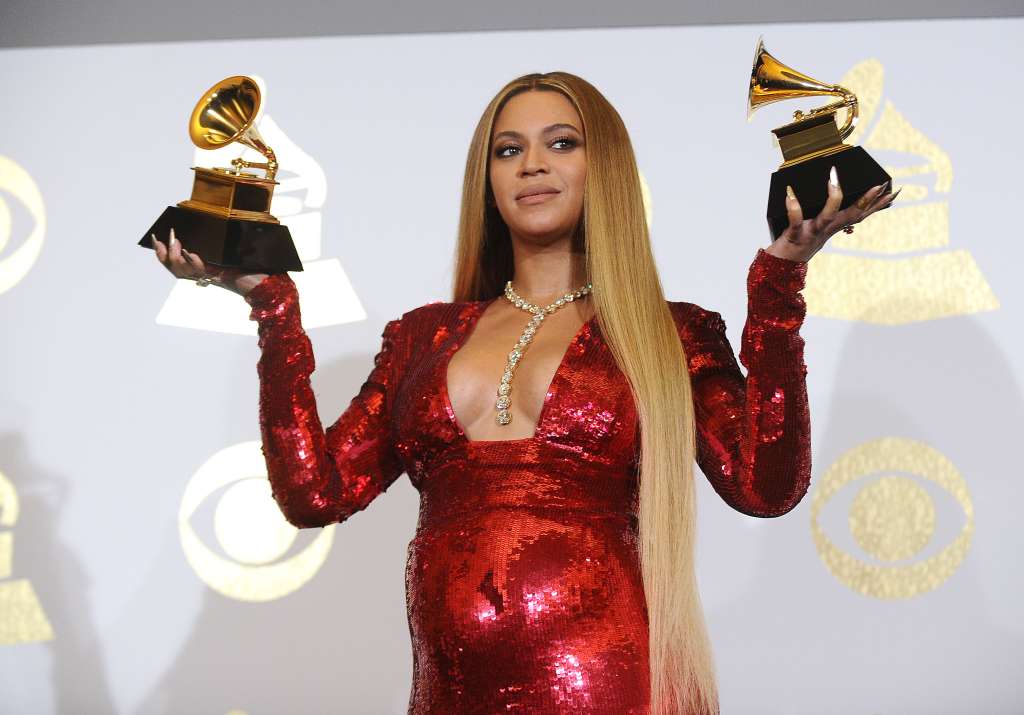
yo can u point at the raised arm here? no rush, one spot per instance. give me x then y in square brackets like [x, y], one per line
[753, 432]
[320, 478]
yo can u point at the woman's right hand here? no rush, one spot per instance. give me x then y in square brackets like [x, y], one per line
[185, 264]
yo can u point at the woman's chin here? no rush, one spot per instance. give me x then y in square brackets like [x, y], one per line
[541, 227]
[540, 237]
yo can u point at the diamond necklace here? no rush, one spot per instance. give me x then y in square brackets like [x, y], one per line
[505, 388]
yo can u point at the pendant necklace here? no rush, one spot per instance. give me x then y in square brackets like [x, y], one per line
[539, 313]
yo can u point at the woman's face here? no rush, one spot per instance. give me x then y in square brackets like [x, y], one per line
[538, 165]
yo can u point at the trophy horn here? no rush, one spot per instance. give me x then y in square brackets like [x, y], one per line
[774, 81]
[227, 113]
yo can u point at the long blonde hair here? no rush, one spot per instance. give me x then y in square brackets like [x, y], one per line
[638, 327]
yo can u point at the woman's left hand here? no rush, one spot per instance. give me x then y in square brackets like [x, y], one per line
[805, 237]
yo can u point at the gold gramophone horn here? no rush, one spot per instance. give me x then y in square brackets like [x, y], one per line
[772, 81]
[225, 114]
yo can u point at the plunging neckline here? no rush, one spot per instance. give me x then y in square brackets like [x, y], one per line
[460, 340]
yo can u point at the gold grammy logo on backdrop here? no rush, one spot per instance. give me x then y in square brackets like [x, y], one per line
[897, 267]
[892, 518]
[17, 182]
[22, 619]
[249, 528]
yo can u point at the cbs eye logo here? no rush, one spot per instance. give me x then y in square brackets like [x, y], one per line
[893, 518]
[17, 182]
[250, 529]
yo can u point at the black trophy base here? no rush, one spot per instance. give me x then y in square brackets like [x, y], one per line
[252, 246]
[857, 173]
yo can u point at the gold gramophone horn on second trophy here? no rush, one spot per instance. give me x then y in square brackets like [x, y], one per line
[227, 220]
[809, 134]
[812, 143]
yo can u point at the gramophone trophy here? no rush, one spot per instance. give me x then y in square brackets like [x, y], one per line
[227, 220]
[812, 143]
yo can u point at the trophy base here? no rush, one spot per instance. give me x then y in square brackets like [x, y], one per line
[252, 246]
[857, 172]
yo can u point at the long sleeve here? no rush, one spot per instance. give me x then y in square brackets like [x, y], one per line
[319, 478]
[753, 432]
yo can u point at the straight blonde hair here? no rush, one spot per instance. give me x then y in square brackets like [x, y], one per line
[641, 333]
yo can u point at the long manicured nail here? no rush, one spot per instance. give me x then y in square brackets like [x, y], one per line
[833, 178]
[187, 255]
[789, 192]
[173, 237]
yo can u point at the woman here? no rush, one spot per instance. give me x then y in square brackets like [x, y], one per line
[552, 568]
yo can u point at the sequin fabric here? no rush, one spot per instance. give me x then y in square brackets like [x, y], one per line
[523, 586]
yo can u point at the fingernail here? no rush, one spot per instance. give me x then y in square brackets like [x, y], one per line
[173, 237]
[187, 255]
[789, 192]
[833, 178]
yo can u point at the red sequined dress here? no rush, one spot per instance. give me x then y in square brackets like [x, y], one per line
[523, 585]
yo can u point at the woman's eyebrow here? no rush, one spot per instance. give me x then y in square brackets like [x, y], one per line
[547, 130]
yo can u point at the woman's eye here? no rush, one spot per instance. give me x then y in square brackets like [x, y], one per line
[501, 151]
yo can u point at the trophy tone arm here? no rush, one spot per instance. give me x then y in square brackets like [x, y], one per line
[849, 101]
[270, 165]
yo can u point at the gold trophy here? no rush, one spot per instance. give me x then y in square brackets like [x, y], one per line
[227, 221]
[812, 143]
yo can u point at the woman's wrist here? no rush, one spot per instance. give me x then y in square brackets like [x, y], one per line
[242, 284]
[784, 250]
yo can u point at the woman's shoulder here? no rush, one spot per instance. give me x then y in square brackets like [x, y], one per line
[434, 321]
[703, 335]
[437, 311]
[693, 316]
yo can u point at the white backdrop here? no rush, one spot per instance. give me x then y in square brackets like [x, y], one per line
[143, 568]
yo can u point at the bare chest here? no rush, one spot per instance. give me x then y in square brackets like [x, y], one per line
[474, 371]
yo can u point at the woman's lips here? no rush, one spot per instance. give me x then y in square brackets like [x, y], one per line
[537, 198]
